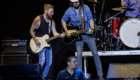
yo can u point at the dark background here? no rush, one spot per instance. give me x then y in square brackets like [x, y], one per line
[19, 15]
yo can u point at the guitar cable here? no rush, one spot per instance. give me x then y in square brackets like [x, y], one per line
[30, 49]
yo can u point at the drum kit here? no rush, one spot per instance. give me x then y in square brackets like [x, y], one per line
[126, 32]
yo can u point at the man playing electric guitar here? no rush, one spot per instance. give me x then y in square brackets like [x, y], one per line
[75, 13]
[42, 25]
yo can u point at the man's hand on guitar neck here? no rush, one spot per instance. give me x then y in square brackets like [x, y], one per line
[62, 35]
[91, 30]
[68, 34]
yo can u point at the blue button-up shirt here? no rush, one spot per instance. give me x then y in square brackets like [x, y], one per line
[71, 14]
[135, 4]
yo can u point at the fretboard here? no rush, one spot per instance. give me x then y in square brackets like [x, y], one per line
[82, 31]
[47, 40]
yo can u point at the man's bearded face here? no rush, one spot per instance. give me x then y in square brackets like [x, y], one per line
[50, 13]
[76, 4]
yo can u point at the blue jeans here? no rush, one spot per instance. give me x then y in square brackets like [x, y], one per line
[90, 41]
[45, 60]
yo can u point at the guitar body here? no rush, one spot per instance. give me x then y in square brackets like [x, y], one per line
[37, 49]
[72, 39]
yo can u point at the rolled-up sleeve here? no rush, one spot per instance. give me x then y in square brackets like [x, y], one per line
[89, 14]
[65, 17]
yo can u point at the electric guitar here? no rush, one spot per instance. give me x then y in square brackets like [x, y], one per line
[44, 43]
[75, 34]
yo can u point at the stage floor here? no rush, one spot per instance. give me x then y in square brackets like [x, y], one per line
[86, 54]
[112, 53]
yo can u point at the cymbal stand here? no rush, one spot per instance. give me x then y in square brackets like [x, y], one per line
[114, 16]
[107, 43]
[118, 43]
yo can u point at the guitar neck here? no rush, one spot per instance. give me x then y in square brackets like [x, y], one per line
[82, 31]
[47, 40]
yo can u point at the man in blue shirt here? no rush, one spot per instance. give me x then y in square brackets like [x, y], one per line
[73, 14]
[135, 4]
[71, 73]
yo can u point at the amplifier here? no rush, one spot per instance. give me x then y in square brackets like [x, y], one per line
[8, 59]
[20, 72]
[14, 46]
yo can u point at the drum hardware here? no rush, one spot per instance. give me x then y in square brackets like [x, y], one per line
[139, 43]
[99, 24]
[109, 43]
[97, 28]
[123, 36]
[138, 34]
[139, 39]
[118, 44]
[114, 16]
[99, 39]
[121, 9]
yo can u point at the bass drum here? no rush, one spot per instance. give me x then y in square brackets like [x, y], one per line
[129, 32]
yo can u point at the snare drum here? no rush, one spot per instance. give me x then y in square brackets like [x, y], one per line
[129, 32]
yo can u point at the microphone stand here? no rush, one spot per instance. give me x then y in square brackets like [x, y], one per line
[100, 23]
[94, 17]
[100, 20]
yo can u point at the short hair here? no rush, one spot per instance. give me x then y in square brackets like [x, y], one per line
[69, 58]
[48, 6]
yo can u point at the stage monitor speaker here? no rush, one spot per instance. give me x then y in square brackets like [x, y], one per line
[14, 59]
[123, 70]
[14, 46]
[20, 72]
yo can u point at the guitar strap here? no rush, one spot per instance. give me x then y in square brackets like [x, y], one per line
[82, 17]
[50, 28]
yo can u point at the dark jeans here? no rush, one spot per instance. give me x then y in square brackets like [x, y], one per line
[90, 41]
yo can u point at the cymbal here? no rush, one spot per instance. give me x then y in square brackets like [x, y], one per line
[94, 1]
[123, 8]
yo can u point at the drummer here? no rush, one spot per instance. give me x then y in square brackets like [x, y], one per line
[135, 4]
